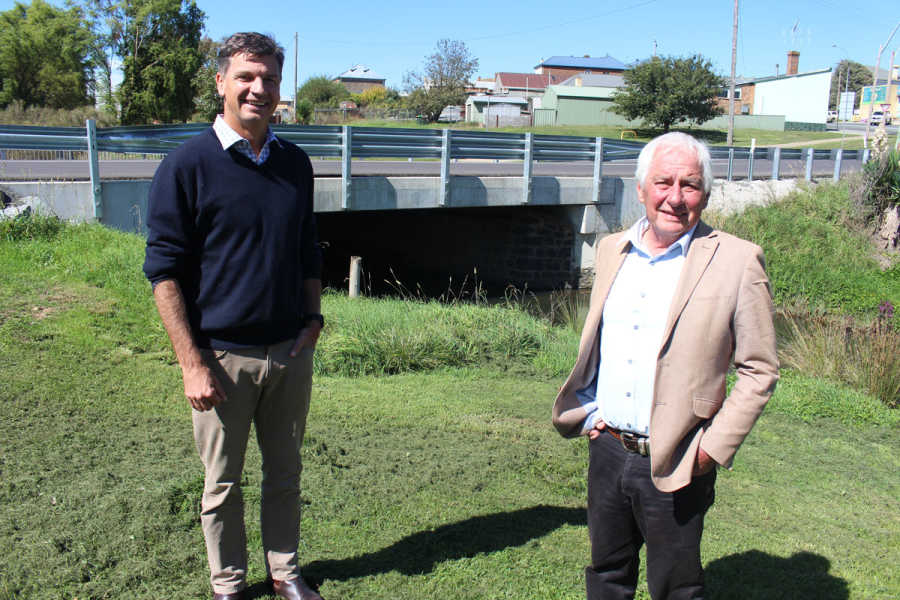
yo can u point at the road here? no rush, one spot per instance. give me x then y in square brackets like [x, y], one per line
[77, 170]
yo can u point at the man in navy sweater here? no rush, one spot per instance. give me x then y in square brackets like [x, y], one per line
[235, 266]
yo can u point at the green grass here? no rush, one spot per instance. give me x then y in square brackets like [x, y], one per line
[742, 137]
[431, 482]
[817, 252]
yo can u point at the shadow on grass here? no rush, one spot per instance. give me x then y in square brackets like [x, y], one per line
[755, 575]
[418, 553]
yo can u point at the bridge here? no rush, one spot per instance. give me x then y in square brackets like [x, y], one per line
[499, 208]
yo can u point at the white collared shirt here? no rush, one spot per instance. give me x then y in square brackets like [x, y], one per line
[631, 334]
[228, 137]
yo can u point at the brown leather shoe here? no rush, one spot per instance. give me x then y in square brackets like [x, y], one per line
[294, 589]
[232, 596]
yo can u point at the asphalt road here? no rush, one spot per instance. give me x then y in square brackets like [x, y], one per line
[77, 170]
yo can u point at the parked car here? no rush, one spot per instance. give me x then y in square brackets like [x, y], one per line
[831, 117]
[879, 116]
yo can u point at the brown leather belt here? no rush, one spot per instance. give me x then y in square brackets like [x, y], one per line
[632, 442]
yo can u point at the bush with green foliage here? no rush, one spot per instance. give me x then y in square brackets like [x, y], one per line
[304, 111]
[322, 92]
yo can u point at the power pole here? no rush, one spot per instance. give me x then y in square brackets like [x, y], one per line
[730, 140]
[875, 82]
[296, 120]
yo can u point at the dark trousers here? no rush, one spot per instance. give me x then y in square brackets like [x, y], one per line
[625, 510]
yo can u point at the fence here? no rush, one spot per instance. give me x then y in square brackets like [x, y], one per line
[347, 143]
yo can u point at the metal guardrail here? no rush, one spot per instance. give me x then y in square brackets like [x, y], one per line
[347, 143]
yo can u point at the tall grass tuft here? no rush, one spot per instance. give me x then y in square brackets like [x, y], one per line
[866, 357]
[30, 226]
[381, 336]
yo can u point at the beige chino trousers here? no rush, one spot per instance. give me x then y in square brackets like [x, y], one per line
[267, 387]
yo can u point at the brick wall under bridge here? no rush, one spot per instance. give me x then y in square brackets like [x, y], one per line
[533, 248]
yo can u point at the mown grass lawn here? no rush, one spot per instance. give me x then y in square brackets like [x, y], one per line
[447, 482]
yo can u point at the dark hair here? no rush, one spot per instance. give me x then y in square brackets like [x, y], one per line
[249, 42]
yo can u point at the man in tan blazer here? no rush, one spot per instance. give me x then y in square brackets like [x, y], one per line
[674, 304]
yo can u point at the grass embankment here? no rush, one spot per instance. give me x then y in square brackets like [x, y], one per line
[742, 137]
[434, 482]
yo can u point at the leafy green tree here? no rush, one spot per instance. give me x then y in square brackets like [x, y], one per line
[860, 77]
[207, 102]
[443, 81]
[106, 30]
[322, 92]
[159, 46]
[44, 56]
[664, 91]
[429, 103]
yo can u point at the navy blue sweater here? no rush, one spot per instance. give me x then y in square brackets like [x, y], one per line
[239, 238]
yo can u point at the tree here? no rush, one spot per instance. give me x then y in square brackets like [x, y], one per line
[159, 46]
[104, 31]
[322, 92]
[429, 103]
[664, 91]
[44, 56]
[443, 82]
[860, 77]
[207, 102]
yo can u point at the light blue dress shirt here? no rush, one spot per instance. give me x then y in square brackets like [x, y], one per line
[228, 137]
[631, 334]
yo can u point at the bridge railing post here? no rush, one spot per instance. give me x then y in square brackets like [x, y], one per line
[94, 165]
[809, 163]
[730, 163]
[346, 176]
[598, 169]
[750, 164]
[445, 168]
[526, 169]
[838, 157]
[776, 163]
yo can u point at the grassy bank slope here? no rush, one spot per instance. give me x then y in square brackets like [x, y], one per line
[433, 482]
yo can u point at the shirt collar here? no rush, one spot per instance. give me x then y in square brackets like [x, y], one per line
[228, 137]
[636, 232]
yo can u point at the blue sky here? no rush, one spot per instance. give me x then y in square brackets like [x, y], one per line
[395, 37]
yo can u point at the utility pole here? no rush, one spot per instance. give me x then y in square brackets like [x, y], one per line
[296, 120]
[733, 66]
[875, 81]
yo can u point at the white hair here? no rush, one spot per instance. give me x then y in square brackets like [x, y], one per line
[676, 139]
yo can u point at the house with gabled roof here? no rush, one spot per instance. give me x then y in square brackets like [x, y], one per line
[359, 78]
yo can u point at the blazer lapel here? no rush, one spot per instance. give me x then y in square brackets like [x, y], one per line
[700, 253]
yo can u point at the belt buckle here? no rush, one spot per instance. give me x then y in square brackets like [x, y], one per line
[635, 443]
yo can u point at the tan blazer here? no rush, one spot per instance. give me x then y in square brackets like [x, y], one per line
[721, 313]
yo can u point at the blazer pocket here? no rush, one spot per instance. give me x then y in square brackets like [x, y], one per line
[706, 408]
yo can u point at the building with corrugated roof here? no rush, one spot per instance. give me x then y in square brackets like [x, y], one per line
[566, 66]
[595, 80]
[524, 84]
[360, 78]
